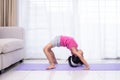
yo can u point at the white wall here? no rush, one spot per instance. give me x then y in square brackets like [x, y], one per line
[93, 23]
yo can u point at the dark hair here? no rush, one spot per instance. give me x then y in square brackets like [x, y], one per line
[74, 61]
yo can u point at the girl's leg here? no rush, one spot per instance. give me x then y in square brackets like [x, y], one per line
[47, 50]
[54, 58]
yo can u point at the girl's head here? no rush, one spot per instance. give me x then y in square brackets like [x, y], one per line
[74, 61]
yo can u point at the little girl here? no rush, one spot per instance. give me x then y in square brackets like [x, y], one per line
[64, 41]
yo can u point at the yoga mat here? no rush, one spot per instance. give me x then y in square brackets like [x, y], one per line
[66, 67]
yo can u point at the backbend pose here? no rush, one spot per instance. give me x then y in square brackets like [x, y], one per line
[63, 41]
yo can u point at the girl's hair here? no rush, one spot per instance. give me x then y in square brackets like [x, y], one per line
[74, 61]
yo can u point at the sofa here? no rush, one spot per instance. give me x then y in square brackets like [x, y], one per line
[11, 46]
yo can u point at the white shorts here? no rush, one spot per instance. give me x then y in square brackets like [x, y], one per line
[56, 41]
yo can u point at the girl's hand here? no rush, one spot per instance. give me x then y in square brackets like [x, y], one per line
[86, 68]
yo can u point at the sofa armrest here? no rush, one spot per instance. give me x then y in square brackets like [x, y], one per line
[12, 32]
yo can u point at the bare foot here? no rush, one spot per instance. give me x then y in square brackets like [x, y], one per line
[50, 67]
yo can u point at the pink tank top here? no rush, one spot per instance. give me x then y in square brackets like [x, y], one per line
[68, 42]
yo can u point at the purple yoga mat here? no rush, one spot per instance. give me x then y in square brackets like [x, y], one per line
[66, 67]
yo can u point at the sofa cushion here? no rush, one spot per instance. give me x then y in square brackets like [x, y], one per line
[10, 44]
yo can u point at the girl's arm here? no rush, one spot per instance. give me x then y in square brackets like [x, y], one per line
[79, 53]
[84, 61]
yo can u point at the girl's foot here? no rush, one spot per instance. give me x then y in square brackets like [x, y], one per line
[50, 67]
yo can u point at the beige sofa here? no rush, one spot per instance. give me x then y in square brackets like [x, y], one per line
[11, 46]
